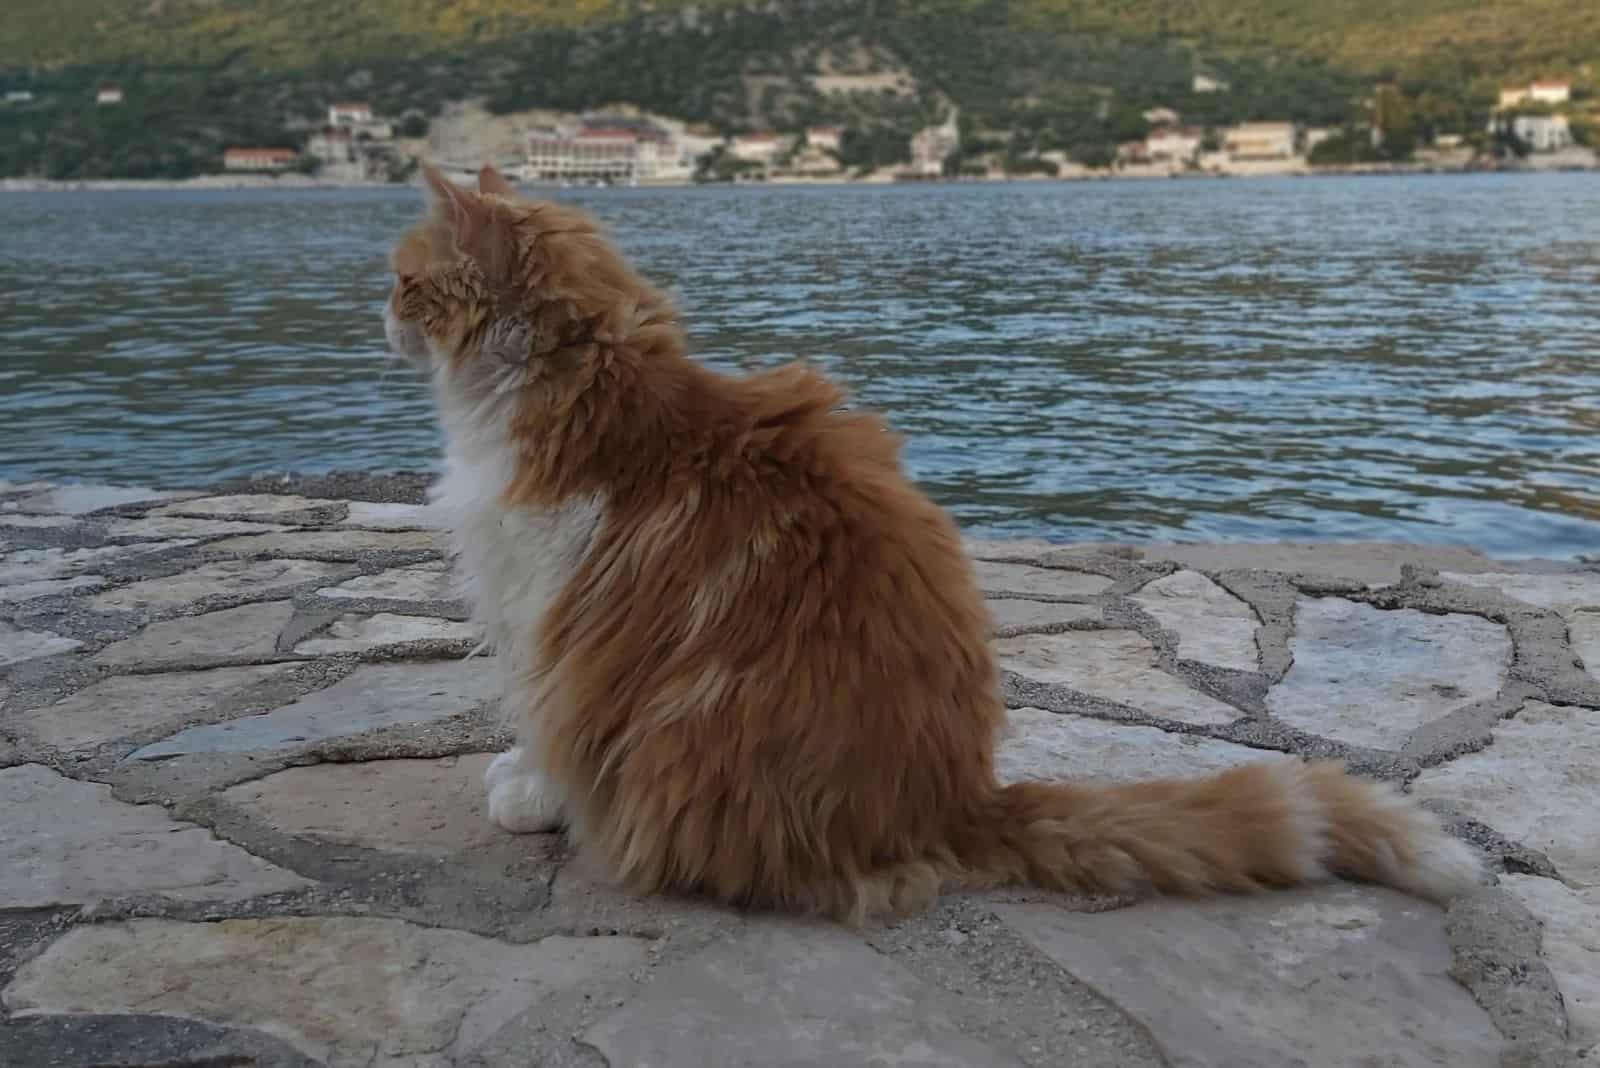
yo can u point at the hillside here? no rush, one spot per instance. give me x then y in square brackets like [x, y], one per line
[1028, 74]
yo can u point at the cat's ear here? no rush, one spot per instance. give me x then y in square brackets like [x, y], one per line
[492, 183]
[479, 229]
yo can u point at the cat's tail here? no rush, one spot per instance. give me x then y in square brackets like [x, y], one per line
[1272, 824]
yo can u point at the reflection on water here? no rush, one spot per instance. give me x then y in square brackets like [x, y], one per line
[1386, 358]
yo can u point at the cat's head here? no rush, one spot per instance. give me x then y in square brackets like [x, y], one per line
[489, 284]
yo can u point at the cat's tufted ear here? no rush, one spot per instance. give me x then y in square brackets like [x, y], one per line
[480, 228]
[492, 183]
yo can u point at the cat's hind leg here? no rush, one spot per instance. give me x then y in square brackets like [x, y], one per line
[522, 799]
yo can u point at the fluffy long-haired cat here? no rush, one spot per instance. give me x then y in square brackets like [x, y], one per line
[747, 658]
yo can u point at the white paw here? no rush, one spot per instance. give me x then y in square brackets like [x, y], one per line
[507, 765]
[524, 802]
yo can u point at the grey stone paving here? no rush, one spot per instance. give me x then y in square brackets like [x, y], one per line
[240, 753]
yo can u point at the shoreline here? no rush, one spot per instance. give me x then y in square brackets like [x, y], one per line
[295, 182]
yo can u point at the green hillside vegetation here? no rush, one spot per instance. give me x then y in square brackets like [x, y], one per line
[1028, 75]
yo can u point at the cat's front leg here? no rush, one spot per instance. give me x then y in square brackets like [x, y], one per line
[522, 798]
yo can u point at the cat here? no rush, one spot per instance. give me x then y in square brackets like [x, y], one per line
[746, 657]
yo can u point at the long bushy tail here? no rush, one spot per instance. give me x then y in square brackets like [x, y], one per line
[1271, 824]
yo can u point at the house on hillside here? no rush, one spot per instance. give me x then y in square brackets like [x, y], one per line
[1543, 133]
[19, 96]
[108, 94]
[1174, 144]
[932, 145]
[1132, 153]
[1162, 117]
[259, 160]
[1206, 83]
[1549, 93]
[1259, 141]
[824, 138]
[349, 113]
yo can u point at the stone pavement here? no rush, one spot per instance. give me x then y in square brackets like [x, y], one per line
[240, 750]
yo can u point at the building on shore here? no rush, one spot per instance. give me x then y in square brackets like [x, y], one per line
[259, 160]
[338, 154]
[1174, 144]
[1543, 133]
[933, 145]
[824, 138]
[1251, 142]
[1548, 93]
[603, 148]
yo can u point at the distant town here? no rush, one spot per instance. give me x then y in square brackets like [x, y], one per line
[1537, 125]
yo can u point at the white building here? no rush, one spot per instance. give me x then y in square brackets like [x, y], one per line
[933, 145]
[19, 96]
[108, 94]
[601, 149]
[337, 152]
[1174, 144]
[1205, 83]
[1316, 135]
[824, 138]
[1550, 92]
[1162, 117]
[1543, 133]
[763, 147]
[1260, 141]
[349, 113]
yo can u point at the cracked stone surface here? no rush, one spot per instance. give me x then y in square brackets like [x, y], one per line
[1026, 580]
[128, 704]
[1541, 772]
[396, 584]
[224, 578]
[357, 633]
[376, 695]
[1300, 978]
[1046, 746]
[17, 645]
[412, 806]
[242, 763]
[1212, 624]
[1571, 920]
[70, 842]
[1371, 677]
[249, 631]
[346, 991]
[1117, 665]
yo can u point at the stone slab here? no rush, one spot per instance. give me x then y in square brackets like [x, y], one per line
[27, 591]
[327, 544]
[36, 522]
[373, 696]
[1538, 783]
[223, 578]
[81, 500]
[396, 584]
[265, 506]
[1027, 580]
[1369, 677]
[1583, 630]
[17, 644]
[1004, 548]
[127, 704]
[32, 565]
[1011, 613]
[1118, 665]
[1336, 977]
[391, 516]
[70, 842]
[1564, 593]
[407, 806]
[1212, 625]
[1058, 747]
[247, 632]
[789, 994]
[355, 633]
[178, 526]
[1375, 563]
[348, 992]
[1571, 920]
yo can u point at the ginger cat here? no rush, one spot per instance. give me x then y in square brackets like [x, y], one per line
[747, 658]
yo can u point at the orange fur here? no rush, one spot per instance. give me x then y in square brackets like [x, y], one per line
[767, 678]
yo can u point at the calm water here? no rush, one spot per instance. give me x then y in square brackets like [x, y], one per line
[1326, 358]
